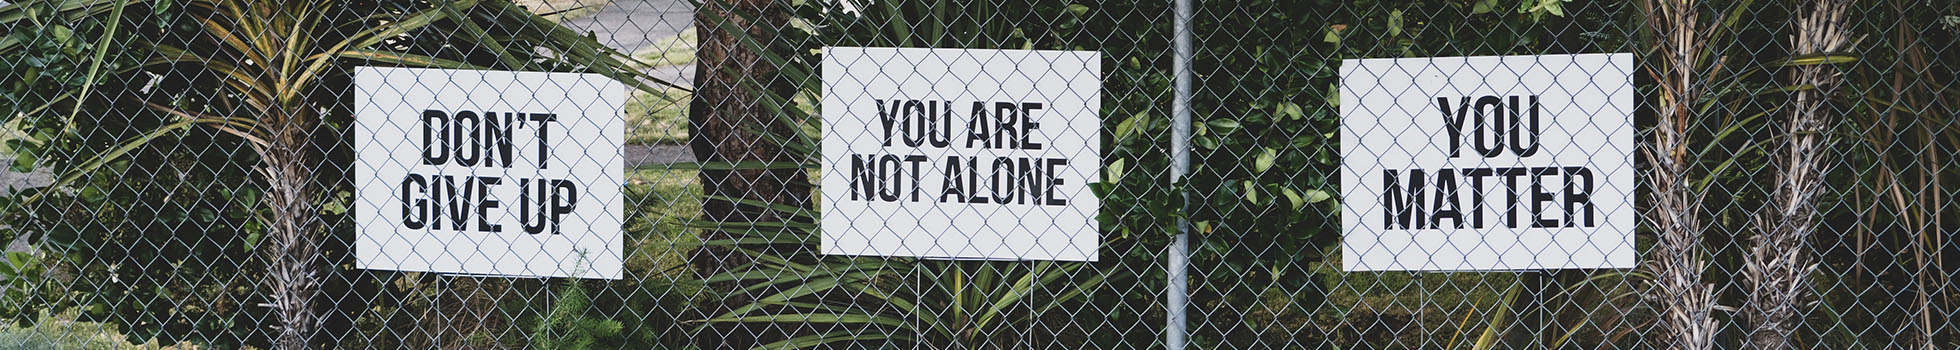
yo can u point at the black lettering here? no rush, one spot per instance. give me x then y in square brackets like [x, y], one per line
[1493, 121]
[1028, 125]
[564, 196]
[889, 117]
[485, 203]
[973, 181]
[463, 134]
[1579, 194]
[415, 209]
[888, 175]
[863, 177]
[1002, 184]
[951, 186]
[1511, 194]
[1519, 145]
[1026, 188]
[1446, 206]
[498, 131]
[1477, 195]
[1539, 197]
[533, 224]
[977, 128]
[435, 143]
[457, 201]
[1004, 135]
[942, 136]
[914, 127]
[917, 187]
[1401, 207]
[544, 139]
[1454, 123]
[1052, 197]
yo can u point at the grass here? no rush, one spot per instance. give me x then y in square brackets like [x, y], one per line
[565, 9]
[657, 118]
[672, 51]
[63, 331]
[661, 118]
[662, 202]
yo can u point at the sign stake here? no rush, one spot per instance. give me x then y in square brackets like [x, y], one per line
[1178, 255]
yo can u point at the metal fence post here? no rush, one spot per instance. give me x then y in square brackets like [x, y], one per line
[1178, 255]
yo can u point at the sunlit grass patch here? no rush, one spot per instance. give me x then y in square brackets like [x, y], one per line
[672, 51]
[660, 203]
[563, 10]
[655, 118]
[64, 331]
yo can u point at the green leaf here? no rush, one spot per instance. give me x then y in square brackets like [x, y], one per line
[407, 60]
[1130, 125]
[93, 195]
[1812, 60]
[812, 341]
[1395, 23]
[1078, 9]
[813, 318]
[1316, 196]
[1264, 160]
[1333, 95]
[1114, 172]
[336, 205]
[23, 161]
[19, 259]
[1292, 110]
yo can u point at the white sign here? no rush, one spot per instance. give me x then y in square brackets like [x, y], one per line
[961, 154]
[488, 172]
[1487, 163]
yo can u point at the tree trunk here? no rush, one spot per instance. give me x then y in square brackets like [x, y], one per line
[293, 248]
[727, 122]
[1777, 272]
[1685, 304]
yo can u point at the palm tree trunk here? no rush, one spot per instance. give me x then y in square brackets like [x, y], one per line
[1779, 265]
[724, 119]
[1685, 303]
[293, 248]
[728, 122]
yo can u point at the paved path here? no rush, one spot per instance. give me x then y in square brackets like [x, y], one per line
[629, 25]
[653, 156]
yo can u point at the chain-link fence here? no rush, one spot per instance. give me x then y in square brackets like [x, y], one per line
[194, 174]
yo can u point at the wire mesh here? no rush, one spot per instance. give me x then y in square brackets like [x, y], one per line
[185, 174]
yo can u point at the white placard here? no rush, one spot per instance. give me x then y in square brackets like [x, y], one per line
[488, 172]
[961, 154]
[1487, 163]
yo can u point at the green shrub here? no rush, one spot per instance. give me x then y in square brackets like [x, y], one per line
[569, 325]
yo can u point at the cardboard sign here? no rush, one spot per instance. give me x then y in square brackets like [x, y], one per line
[488, 172]
[1487, 163]
[961, 154]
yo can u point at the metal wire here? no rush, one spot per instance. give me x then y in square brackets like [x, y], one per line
[186, 173]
